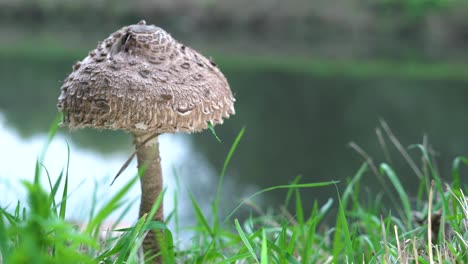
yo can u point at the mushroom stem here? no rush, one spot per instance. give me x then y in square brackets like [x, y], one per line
[151, 185]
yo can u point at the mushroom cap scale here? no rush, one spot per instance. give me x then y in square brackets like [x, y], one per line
[140, 79]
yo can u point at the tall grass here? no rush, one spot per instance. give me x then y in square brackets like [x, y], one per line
[342, 230]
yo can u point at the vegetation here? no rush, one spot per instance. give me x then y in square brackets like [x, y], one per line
[45, 51]
[200, 11]
[417, 40]
[415, 29]
[429, 228]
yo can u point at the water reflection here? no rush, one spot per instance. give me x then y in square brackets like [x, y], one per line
[91, 172]
[300, 124]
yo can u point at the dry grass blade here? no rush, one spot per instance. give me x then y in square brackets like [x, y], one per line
[401, 149]
[385, 243]
[288, 215]
[415, 251]
[383, 145]
[465, 243]
[366, 156]
[439, 255]
[424, 162]
[374, 169]
[130, 158]
[329, 260]
[432, 155]
[429, 224]
[400, 252]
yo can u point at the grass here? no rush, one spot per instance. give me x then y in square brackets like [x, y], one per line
[434, 229]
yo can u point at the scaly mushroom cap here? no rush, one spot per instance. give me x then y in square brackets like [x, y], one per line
[140, 79]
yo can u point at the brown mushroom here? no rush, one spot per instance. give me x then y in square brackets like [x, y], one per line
[143, 81]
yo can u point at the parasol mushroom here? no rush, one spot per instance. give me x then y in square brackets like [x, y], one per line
[143, 81]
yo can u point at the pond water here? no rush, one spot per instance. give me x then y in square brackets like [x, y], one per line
[296, 124]
[90, 172]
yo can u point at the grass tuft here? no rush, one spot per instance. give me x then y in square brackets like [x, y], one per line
[434, 228]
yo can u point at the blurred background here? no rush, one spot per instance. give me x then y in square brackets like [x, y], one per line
[309, 76]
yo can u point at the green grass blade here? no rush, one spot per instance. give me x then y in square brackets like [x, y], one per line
[264, 256]
[52, 131]
[37, 172]
[157, 204]
[168, 253]
[342, 238]
[223, 173]
[426, 156]
[63, 204]
[121, 216]
[311, 225]
[291, 191]
[299, 214]
[349, 189]
[281, 240]
[245, 240]
[456, 187]
[292, 243]
[211, 128]
[54, 189]
[325, 208]
[200, 217]
[284, 256]
[176, 216]
[94, 200]
[234, 258]
[111, 206]
[437, 180]
[4, 238]
[456, 171]
[131, 242]
[231, 151]
[278, 187]
[387, 170]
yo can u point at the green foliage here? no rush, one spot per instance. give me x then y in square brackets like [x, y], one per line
[417, 8]
[361, 233]
[40, 233]
[211, 128]
[38, 52]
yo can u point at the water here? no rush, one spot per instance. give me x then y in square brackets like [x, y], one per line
[296, 124]
[89, 172]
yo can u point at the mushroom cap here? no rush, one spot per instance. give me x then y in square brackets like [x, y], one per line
[141, 80]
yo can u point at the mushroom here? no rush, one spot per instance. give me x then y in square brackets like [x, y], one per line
[143, 81]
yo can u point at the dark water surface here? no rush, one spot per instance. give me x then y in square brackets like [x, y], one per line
[296, 124]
